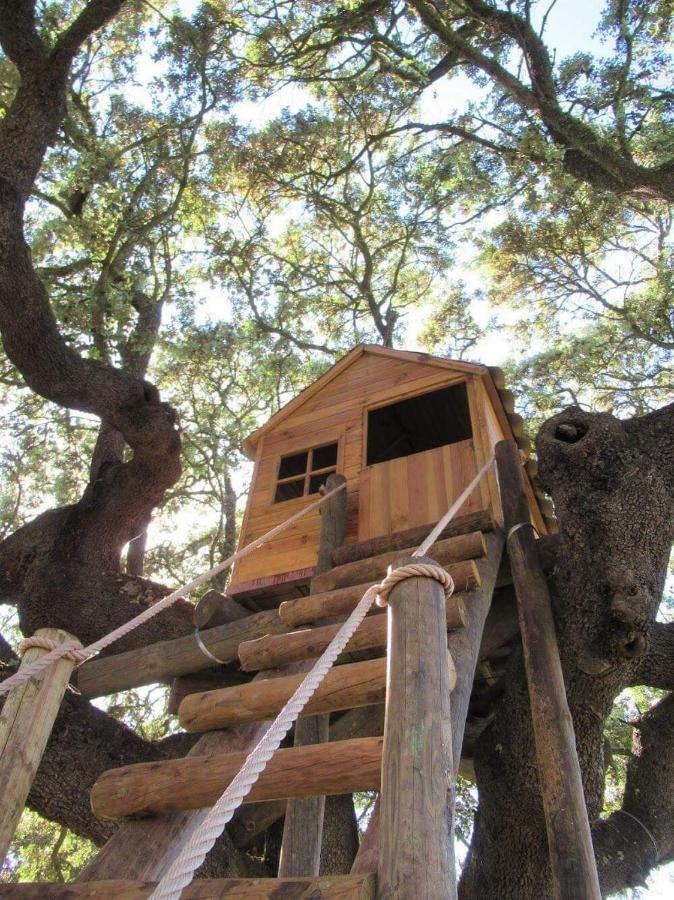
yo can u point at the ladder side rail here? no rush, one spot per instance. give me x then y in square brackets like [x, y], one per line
[574, 871]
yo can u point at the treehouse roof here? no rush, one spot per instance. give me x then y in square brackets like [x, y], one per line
[424, 359]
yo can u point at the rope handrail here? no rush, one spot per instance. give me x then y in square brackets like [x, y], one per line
[181, 872]
[79, 654]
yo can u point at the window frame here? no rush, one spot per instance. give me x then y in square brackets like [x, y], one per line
[308, 473]
[409, 395]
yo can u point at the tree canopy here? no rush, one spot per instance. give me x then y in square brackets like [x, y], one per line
[204, 205]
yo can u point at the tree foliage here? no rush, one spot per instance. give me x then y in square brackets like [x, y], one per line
[411, 172]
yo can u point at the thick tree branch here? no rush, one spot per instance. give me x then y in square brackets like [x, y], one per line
[656, 667]
[640, 836]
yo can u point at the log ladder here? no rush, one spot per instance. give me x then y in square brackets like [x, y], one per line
[418, 658]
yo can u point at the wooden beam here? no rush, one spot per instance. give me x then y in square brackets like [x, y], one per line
[345, 687]
[194, 782]
[342, 601]
[303, 824]
[26, 720]
[464, 646]
[574, 872]
[166, 659]
[416, 856]
[215, 608]
[327, 887]
[451, 550]
[411, 537]
[273, 651]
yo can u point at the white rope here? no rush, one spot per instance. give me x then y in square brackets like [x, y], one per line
[81, 654]
[193, 853]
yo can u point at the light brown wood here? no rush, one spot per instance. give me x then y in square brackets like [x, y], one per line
[572, 861]
[327, 887]
[166, 659]
[274, 651]
[449, 551]
[148, 788]
[345, 687]
[26, 721]
[416, 804]
[342, 601]
[332, 413]
[303, 824]
[464, 645]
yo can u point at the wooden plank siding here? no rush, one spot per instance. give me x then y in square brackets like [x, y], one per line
[384, 498]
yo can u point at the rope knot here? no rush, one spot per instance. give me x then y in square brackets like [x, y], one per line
[414, 570]
[73, 652]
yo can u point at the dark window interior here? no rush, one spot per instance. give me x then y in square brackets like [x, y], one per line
[418, 423]
[303, 473]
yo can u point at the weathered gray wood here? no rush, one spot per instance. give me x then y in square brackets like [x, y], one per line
[215, 608]
[416, 803]
[303, 825]
[574, 871]
[26, 720]
[166, 659]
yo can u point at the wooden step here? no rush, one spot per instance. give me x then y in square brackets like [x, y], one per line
[325, 887]
[451, 550]
[345, 687]
[144, 789]
[341, 601]
[276, 651]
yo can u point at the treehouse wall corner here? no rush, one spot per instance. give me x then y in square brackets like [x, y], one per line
[408, 431]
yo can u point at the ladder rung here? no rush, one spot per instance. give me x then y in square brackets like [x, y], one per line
[344, 687]
[341, 601]
[341, 767]
[276, 651]
[451, 550]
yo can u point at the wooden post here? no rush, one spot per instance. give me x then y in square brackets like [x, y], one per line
[574, 872]
[416, 803]
[303, 826]
[25, 725]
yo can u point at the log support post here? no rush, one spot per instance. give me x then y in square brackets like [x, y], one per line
[416, 858]
[303, 826]
[572, 861]
[26, 722]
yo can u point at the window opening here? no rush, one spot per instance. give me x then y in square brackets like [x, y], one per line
[304, 473]
[418, 423]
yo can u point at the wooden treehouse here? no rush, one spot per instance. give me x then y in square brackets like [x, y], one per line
[407, 430]
[382, 449]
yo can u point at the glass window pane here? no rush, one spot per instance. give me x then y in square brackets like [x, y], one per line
[324, 457]
[317, 480]
[293, 465]
[289, 489]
